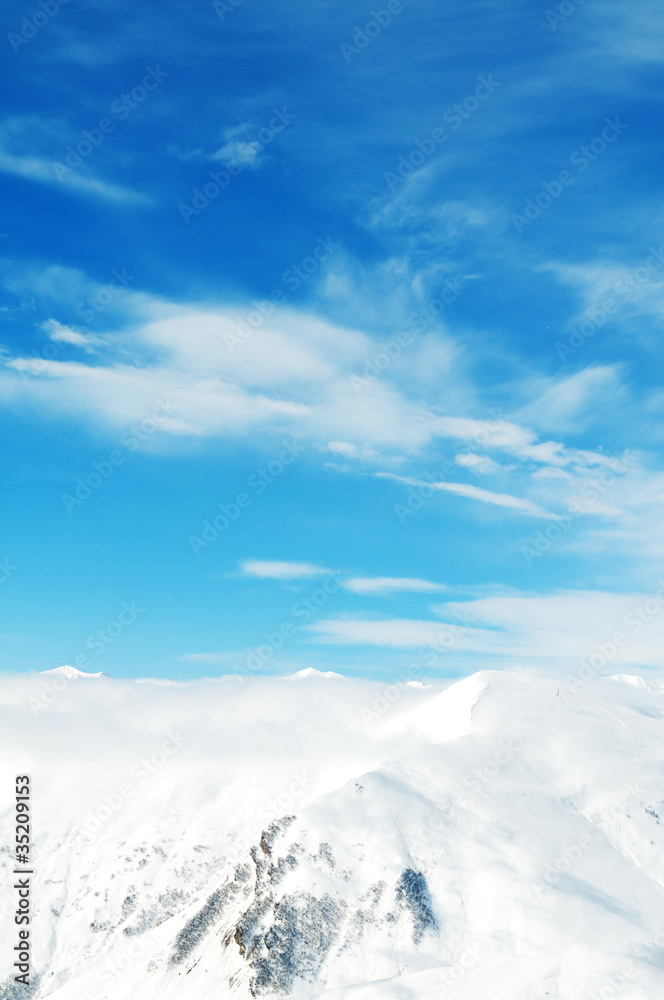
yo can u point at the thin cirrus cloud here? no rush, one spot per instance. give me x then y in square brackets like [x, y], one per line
[360, 585]
[519, 504]
[61, 334]
[393, 633]
[35, 168]
[604, 629]
[275, 570]
[294, 374]
[294, 368]
[368, 585]
[32, 148]
[480, 464]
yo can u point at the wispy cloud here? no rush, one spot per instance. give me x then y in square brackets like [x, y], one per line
[349, 450]
[396, 633]
[558, 629]
[241, 147]
[23, 152]
[239, 151]
[32, 168]
[281, 570]
[391, 585]
[481, 464]
[61, 334]
[524, 506]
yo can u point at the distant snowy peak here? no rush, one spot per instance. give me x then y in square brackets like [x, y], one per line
[311, 672]
[637, 682]
[70, 673]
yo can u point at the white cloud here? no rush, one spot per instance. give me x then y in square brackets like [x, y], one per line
[571, 623]
[349, 450]
[522, 442]
[240, 153]
[638, 287]
[521, 628]
[399, 633]
[33, 168]
[240, 148]
[291, 375]
[31, 148]
[280, 570]
[478, 463]
[475, 493]
[568, 403]
[269, 377]
[391, 584]
[61, 334]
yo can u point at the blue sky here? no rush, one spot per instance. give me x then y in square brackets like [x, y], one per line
[333, 337]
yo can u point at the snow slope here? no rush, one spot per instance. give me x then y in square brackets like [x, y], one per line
[499, 837]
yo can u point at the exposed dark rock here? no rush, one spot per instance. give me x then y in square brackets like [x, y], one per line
[193, 933]
[412, 891]
[12, 990]
[269, 836]
[294, 945]
[128, 906]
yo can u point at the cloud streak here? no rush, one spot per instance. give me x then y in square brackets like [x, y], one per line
[475, 493]
[264, 569]
[370, 585]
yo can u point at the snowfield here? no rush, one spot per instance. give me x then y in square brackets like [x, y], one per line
[495, 838]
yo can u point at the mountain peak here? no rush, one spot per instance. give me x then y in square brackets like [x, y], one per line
[311, 672]
[70, 673]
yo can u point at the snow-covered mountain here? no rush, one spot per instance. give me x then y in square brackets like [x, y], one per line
[498, 837]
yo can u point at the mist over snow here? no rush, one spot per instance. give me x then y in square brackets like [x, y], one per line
[316, 836]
